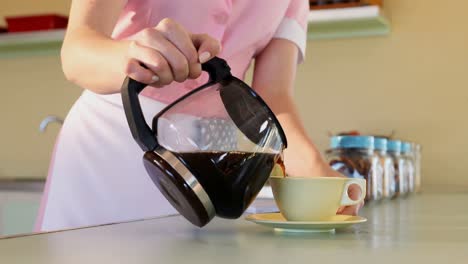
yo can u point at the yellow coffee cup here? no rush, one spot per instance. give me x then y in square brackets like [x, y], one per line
[313, 198]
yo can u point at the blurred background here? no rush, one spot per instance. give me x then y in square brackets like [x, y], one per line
[391, 67]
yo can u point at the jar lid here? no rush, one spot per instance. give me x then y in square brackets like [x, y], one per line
[352, 142]
[380, 143]
[406, 147]
[394, 145]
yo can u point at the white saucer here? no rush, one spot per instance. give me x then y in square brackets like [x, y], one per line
[277, 221]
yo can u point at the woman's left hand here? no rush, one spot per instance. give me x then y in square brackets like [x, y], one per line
[274, 74]
[319, 168]
[354, 193]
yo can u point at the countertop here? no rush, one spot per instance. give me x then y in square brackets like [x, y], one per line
[424, 228]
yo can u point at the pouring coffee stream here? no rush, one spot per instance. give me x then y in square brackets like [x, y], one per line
[215, 167]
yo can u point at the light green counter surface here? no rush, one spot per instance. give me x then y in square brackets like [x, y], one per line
[426, 228]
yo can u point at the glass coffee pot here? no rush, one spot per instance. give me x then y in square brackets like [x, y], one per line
[211, 151]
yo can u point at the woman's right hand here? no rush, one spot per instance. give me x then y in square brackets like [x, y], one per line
[169, 52]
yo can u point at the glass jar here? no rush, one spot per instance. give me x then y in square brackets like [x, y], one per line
[407, 154]
[394, 150]
[386, 163]
[354, 157]
[417, 166]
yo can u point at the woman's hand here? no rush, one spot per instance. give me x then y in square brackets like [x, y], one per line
[321, 168]
[354, 192]
[93, 60]
[169, 52]
[303, 160]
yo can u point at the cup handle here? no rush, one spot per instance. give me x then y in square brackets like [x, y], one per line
[346, 200]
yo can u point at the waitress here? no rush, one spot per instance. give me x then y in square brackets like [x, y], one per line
[96, 175]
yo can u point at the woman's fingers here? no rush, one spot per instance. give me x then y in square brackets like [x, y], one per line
[176, 60]
[354, 193]
[207, 46]
[349, 210]
[169, 54]
[181, 39]
[138, 73]
[154, 61]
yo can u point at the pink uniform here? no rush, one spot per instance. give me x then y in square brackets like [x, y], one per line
[96, 175]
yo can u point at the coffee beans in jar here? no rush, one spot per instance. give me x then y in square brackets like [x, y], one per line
[407, 155]
[386, 161]
[354, 157]
[417, 166]
[394, 150]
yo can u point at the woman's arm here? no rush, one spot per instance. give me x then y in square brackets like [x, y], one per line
[274, 74]
[93, 60]
[90, 58]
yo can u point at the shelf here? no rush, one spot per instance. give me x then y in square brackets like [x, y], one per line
[347, 22]
[323, 24]
[28, 43]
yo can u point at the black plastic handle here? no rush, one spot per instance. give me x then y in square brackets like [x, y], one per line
[217, 69]
[140, 130]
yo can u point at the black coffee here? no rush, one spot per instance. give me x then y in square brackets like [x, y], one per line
[231, 179]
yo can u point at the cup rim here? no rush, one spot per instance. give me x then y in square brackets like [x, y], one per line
[313, 178]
